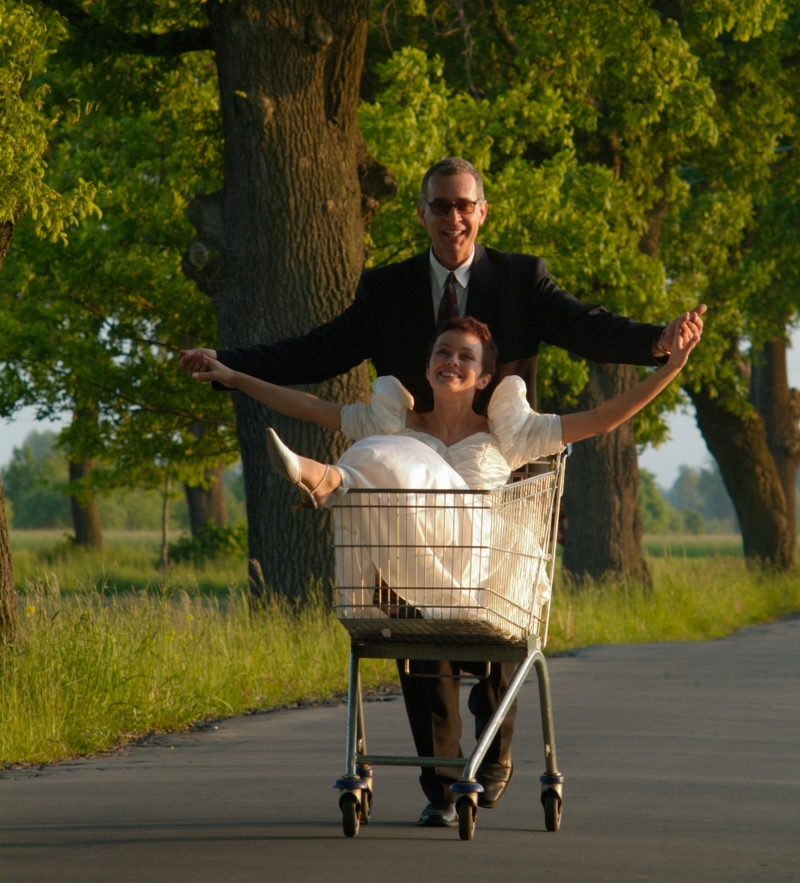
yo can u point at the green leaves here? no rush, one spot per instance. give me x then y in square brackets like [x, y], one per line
[26, 43]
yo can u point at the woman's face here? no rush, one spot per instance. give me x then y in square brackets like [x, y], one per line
[456, 363]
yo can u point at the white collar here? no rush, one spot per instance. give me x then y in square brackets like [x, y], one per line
[461, 272]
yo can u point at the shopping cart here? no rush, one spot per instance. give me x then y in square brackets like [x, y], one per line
[467, 575]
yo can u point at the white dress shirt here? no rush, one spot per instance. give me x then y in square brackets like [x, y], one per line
[439, 276]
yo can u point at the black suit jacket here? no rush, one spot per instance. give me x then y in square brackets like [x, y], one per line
[391, 321]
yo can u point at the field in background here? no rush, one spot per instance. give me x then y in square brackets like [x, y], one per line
[128, 561]
[112, 648]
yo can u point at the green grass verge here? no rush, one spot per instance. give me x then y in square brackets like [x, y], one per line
[693, 599]
[97, 667]
[92, 672]
[128, 561]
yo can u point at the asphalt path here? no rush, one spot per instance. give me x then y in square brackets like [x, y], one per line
[682, 763]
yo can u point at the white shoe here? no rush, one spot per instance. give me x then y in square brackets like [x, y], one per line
[286, 463]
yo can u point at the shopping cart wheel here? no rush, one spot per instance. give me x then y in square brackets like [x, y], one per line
[552, 810]
[351, 814]
[366, 806]
[467, 811]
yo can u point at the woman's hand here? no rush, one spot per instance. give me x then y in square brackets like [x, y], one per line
[685, 339]
[208, 369]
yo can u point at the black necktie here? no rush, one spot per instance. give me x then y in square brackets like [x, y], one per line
[449, 303]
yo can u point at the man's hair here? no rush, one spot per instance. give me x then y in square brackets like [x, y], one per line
[469, 325]
[451, 165]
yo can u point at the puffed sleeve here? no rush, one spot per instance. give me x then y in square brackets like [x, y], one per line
[523, 435]
[384, 415]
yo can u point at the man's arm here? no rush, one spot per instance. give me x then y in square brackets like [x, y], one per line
[593, 332]
[326, 351]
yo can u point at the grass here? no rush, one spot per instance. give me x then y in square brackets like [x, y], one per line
[127, 562]
[98, 666]
[93, 671]
[693, 599]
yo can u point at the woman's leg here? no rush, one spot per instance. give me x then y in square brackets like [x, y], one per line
[320, 479]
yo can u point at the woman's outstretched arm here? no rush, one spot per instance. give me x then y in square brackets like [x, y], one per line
[291, 402]
[610, 414]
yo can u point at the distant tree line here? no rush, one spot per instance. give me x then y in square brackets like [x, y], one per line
[36, 487]
[36, 483]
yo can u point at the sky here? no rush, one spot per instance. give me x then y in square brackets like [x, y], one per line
[686, 447]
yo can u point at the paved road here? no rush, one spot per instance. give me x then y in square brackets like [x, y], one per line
[682, 763]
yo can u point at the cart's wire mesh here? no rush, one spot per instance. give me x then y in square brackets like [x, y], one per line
[448, 567]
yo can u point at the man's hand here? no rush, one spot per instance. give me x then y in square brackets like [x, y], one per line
[196, 360]
[691, 322]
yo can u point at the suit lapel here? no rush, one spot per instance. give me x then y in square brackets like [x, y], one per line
[420, 299]
[481, 302]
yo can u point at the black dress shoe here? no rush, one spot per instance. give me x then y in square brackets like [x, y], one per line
[439, 815]
[495, 778]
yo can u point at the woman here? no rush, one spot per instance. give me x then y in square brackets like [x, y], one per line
[451, 447]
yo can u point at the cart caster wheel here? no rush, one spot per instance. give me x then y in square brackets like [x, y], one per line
[552, 810]
[351, 814]
[366, 806]
[467, 811]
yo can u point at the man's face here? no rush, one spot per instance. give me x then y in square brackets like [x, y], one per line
[452, 235]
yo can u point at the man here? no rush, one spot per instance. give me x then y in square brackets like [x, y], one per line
[391, 321]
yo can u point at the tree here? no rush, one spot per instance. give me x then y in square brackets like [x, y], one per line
[117, 296]
[25, 44]
[282, 242]
[734, 241]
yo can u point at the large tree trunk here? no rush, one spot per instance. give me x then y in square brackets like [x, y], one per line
[737, 441]
[779, 406]
[85, 510]
[207, 504]
[9, 614]
[604, 525]
[280, 249]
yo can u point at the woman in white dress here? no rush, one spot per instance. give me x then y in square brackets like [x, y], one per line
[451, 447]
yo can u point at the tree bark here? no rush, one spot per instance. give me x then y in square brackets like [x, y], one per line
[779, 407]
[281, 247]
[85, 509]
[9, 613]
[164, 563]
[737, 440]
[207, 504]
[604, 525]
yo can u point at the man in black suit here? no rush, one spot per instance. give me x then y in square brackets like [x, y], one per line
[392, 319]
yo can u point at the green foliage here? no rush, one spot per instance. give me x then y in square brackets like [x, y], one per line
[117, 298]
[650, 161]
[659, 516]
[32, 481]
[27, 42]
[211, 542]
[703, 491]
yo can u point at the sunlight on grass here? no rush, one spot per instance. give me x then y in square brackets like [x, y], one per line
[93, 671]
[692, 600]
[99, 663]
[128, 560]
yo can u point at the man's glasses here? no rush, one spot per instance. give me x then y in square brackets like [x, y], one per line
[443, 207]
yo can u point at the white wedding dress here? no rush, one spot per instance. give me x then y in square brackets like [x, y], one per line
[431, 548]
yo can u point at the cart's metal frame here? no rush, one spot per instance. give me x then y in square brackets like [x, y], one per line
[356, 785]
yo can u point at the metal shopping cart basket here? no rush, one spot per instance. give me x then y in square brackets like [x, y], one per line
[429, 575]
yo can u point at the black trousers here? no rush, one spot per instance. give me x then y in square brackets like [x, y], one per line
[432, 708]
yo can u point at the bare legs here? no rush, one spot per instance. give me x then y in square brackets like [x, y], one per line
[320, 477]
